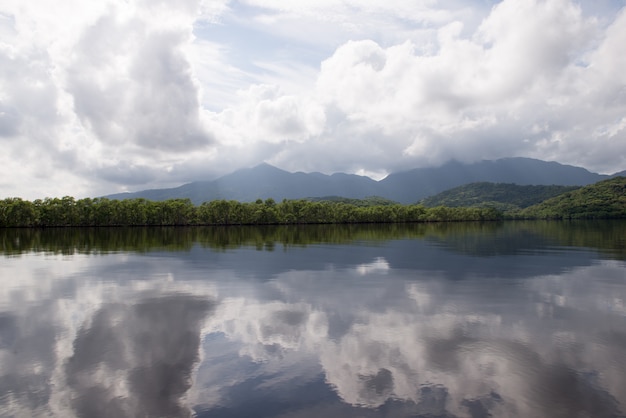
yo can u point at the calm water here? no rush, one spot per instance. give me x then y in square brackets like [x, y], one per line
[458, 320]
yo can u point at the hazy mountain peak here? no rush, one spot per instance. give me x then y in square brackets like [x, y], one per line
[264, 168]
[264, 181]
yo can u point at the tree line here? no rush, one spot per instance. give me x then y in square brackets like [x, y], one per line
[67, 211]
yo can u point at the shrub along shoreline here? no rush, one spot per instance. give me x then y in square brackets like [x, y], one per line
[67, 211]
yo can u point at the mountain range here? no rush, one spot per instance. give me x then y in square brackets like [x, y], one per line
[265, 181]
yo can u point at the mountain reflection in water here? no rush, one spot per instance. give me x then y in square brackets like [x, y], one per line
[467, 320]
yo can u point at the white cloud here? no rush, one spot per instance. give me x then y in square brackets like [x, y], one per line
[474, 97]
[131, 82]
[107, 87]
[264, 114]
[119, 95]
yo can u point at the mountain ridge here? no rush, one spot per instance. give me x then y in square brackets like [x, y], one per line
[266, 181]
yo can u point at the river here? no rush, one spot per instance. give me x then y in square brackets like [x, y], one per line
[511, 319]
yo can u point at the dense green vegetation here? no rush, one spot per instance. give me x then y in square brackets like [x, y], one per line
[501, 196]
[603, 200]
[55, 212]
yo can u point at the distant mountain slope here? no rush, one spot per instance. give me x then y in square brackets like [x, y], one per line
[413, 185]
[368, 201]
[605, 199]
[505, 196]
[265, 181]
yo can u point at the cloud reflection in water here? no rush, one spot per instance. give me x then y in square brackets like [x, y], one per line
[402, 328]
[444, 348]
[137, 360]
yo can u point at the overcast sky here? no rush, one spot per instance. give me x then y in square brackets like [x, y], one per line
[98, 97]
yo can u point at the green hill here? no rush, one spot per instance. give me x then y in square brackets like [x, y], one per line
[501, 196]
[603, 200]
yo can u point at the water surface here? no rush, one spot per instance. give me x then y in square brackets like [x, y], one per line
[508, 319]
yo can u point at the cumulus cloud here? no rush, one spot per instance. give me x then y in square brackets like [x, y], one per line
[183, 91]
[276, 118]
[523, 82]
[465, 100]
[132, 83]
[107, 86]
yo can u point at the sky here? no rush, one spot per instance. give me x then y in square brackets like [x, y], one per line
[100, 97]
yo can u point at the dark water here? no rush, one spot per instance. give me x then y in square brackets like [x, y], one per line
[454, 320]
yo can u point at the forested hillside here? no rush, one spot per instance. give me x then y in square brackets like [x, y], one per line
[603, 200]
[502, 196]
